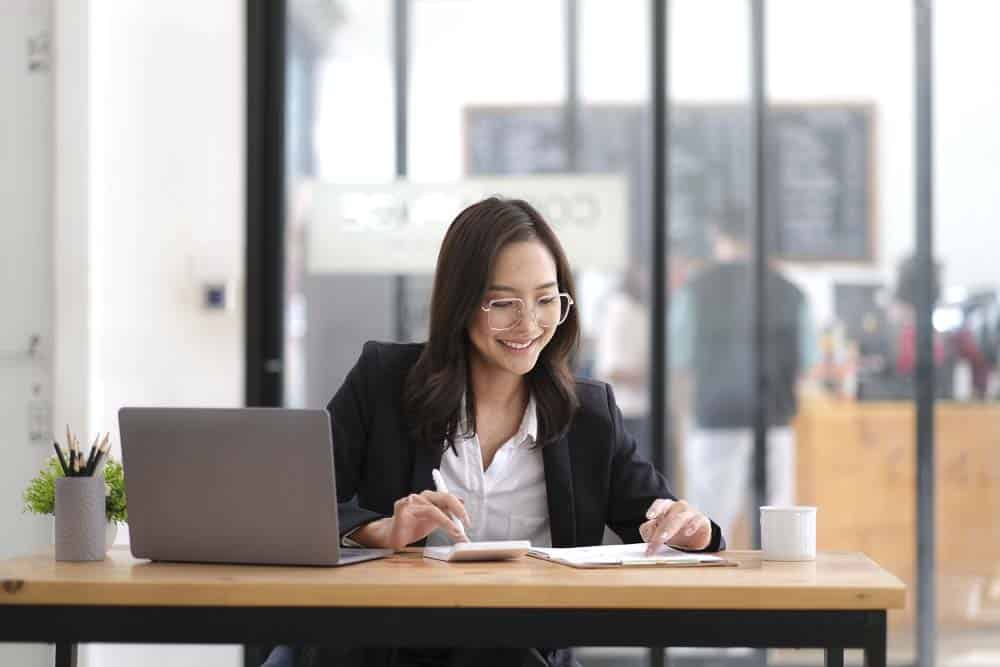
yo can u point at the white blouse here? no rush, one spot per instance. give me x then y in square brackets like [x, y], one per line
[508, 500]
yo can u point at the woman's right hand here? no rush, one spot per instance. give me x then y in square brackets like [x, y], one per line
[413, 518]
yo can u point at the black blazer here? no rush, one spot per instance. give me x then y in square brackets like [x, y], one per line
[593, 475]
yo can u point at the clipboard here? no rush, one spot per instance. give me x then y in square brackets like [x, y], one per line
[627, 555]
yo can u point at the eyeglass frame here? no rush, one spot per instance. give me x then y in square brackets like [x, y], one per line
[524, 306]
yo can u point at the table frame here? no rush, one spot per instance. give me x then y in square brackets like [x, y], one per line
[69, 625]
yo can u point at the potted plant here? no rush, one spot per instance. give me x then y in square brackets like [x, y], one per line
[40, 495]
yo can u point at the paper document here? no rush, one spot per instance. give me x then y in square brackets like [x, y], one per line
[624, 555]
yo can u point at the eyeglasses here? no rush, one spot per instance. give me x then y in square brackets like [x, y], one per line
[549, 311]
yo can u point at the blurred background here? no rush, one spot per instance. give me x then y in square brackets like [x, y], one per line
[159, 249]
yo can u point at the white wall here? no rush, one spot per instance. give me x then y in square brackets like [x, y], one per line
[164, 193]
[25, 277]
[168, 134]
[72, 213]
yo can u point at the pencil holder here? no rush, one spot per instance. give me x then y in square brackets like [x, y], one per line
[80, 518]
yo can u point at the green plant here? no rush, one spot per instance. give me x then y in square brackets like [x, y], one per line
[40, 496]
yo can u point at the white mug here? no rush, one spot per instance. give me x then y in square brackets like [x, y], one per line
[788, 532]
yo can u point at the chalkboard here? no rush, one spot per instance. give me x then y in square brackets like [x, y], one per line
[819, 197]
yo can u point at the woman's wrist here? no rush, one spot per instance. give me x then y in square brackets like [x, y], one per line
[374, 534]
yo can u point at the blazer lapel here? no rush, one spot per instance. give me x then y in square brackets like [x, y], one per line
[559, 489]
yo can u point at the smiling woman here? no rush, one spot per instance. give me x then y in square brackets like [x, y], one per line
[527, 451]
[495, 251]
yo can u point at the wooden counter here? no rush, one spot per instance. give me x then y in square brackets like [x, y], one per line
[856, 462]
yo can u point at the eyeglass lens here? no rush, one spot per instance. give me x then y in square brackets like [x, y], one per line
[549, 311]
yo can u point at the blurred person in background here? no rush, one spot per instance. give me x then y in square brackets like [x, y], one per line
[622, 355]
[712, 361]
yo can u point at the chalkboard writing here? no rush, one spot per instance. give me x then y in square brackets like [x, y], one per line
[819, 198]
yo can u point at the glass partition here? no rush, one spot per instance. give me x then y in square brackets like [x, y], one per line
[967, 334]
[550, 100]
[840, 79]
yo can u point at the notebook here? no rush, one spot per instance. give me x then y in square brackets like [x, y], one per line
[625, 555]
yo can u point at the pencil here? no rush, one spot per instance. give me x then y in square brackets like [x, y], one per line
[69, 450]
[79, 454]
[100, 456]
[75, 463]
[87, 468]
[74, 454]
[102, 449]
[62, 459]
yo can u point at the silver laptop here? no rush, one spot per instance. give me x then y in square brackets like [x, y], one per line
[245, 485]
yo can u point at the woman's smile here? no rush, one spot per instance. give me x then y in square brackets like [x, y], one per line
[519, 347]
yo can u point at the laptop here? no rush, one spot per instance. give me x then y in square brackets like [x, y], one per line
[244, 485]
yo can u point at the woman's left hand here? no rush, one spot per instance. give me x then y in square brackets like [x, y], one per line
[676, 523]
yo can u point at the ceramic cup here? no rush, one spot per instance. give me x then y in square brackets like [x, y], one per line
[788, 532]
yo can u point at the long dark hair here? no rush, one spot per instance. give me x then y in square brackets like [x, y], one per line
[432, 395]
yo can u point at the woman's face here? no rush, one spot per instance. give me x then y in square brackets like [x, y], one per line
[526, 270]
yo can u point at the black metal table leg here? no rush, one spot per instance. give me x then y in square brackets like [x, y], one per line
[835, 656]
[875, 655]
[65, 654]
[875, 639]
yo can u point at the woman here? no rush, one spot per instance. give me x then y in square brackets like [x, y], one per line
[527, 451]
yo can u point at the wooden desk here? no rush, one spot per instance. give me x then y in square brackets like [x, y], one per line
[837, 602]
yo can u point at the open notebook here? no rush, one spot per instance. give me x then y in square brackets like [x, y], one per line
[626, 555]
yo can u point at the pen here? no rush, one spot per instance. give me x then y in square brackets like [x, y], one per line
[443, 488]
[62, 459]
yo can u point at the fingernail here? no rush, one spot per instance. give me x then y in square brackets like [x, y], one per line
[690, 530]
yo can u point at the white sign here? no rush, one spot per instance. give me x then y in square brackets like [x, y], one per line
[398, 227]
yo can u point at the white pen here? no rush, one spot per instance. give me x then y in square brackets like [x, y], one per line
[443, 488]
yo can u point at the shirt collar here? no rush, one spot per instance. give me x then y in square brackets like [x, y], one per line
[527, 431]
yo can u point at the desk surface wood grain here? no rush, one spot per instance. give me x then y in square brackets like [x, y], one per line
[836, 580]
